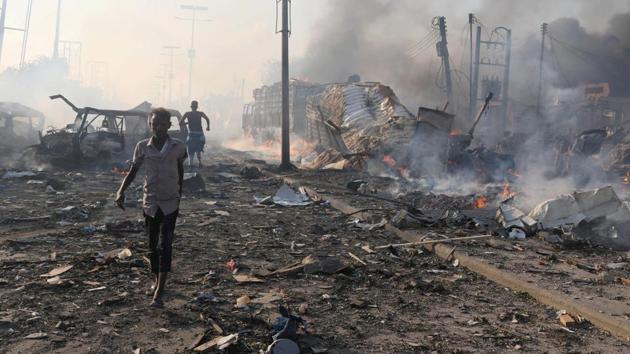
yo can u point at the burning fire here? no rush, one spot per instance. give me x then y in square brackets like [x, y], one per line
[455, 132]
[270, 148]
[393, 164]
[506, 191]
[626, 178]
[480, 202]
[389, 161]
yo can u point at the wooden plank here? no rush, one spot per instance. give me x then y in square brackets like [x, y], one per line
[617, 326]
[433, 241]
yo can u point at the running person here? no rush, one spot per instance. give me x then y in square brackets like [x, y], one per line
[196, 139]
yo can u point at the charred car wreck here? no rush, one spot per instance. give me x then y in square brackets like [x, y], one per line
[96, 136]
[20, 127]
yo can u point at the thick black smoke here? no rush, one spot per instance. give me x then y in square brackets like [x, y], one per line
[372, 38]
[580, 56]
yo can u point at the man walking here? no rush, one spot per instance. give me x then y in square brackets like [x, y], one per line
[163, 158]
[196, 139]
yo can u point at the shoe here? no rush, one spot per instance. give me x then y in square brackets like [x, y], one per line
[157, 304]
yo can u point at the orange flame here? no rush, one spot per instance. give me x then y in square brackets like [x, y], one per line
[393, 164]
[480, 202]
[455, 132]
[389, 161]
[270, 148]
[506, 191]
[626, 178]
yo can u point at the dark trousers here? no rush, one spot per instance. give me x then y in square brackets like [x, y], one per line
[160, 229]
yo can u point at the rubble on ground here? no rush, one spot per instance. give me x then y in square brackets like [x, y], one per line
[595, 215]
[238, 260]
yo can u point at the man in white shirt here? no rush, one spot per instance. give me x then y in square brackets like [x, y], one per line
[163, 158]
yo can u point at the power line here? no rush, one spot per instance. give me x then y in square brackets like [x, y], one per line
[422, 40]
[423, 45]
[584, 55]
[556, 64]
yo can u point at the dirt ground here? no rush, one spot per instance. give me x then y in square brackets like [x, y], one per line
[391, 301]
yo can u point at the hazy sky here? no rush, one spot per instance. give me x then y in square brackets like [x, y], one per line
[129, 35]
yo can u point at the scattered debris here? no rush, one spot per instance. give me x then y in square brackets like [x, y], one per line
[241, 278]
[57, 271]
[193, 183]
[567, 321]
[243, 302]
[512, 218]
[251, 172]
[38, 335]
[283, 346]
[220, 343]
[18, 174]
[286, 196]
[368, 226]
[231, 265]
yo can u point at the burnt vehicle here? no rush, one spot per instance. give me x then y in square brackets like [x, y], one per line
[20, 127]
[95, 137]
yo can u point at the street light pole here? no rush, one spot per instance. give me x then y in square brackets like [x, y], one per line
[191, 50]
[27, 25]
[3, 15]
[286, 151]
[56, 45]
[171, 53]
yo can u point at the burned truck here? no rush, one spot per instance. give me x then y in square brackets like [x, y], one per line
[20, 127]
[262, 118]
[96, 136]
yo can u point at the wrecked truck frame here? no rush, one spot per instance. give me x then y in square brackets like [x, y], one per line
[20, 126]
[96, 136]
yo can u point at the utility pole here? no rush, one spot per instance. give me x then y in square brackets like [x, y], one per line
[27, 24]
[191, 50]
[171, 54]
[3, 16]
[543, 29]
[475, 84]
[472, 98]
[286, 151]
[24, 30]
[56, 45]
[443, 53]
[505, 96]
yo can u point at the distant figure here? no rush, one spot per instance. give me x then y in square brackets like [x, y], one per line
[196, 139]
